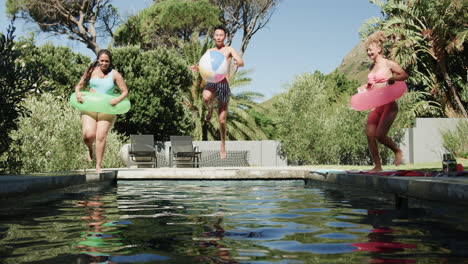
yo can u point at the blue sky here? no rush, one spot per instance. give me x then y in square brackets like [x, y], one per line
[302, 36]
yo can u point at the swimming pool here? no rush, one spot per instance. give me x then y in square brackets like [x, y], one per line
[226, 222]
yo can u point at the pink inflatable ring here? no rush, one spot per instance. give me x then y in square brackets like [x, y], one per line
[375, 97]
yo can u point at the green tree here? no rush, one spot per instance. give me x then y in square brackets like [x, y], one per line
[167, 23]
[16, 81]
[50, 139]
[297, 127]
[155, 80]
[429, 39]
[79, 20]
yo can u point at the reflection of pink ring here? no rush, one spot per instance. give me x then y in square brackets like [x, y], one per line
[382, 246]
[373, 97]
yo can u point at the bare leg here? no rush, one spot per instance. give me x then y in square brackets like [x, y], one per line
[208, 95]
[104, 124]
[386, 121]
[371, 140]
[88, 125]
[223, 110]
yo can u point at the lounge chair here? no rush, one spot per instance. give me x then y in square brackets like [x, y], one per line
[182, 153]
[141, 151]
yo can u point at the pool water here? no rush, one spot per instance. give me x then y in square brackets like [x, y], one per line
[226, 222]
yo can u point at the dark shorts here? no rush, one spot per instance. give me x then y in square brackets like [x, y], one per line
[221, 89]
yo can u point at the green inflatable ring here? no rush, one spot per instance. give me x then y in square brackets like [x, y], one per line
[100, 103]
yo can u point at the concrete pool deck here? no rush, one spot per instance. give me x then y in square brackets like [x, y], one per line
[452, 190]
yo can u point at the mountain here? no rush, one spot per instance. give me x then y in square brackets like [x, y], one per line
[355, 65]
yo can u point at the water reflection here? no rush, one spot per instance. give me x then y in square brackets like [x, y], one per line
[213, 239]
[98, 243]
[227, 222]
[101, 243]
[382, 241]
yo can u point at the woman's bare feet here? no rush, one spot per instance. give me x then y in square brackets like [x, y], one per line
[98, 169]
[398, 157]
[377, 169]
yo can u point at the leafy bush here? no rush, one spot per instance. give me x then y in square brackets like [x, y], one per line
[16, 81]
[155, 80]
[50, 139]
[456, 141]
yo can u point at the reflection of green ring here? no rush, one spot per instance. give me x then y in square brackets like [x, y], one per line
[100, 103]
[92, 243]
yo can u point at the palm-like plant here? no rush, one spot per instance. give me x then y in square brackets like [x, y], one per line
[427, 39]
[240, 124]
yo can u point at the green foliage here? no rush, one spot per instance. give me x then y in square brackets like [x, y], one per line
[155, 80]
[265, 122]
[50, 139]
[62, 68]
[317, 126]
[167, 23]
[16, 81]
[429, 39]
[456, 141]
[242, 122]
[416, 104]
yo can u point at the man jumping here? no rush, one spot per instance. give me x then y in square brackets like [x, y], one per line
[220, 89]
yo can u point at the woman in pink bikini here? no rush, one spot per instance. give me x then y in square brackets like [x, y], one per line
[382, 73]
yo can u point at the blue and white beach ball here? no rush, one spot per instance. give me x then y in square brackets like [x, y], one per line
[213, 66]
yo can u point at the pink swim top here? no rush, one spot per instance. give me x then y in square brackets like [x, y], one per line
[376, 77]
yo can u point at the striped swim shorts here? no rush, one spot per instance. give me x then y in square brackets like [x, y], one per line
[221, 89]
